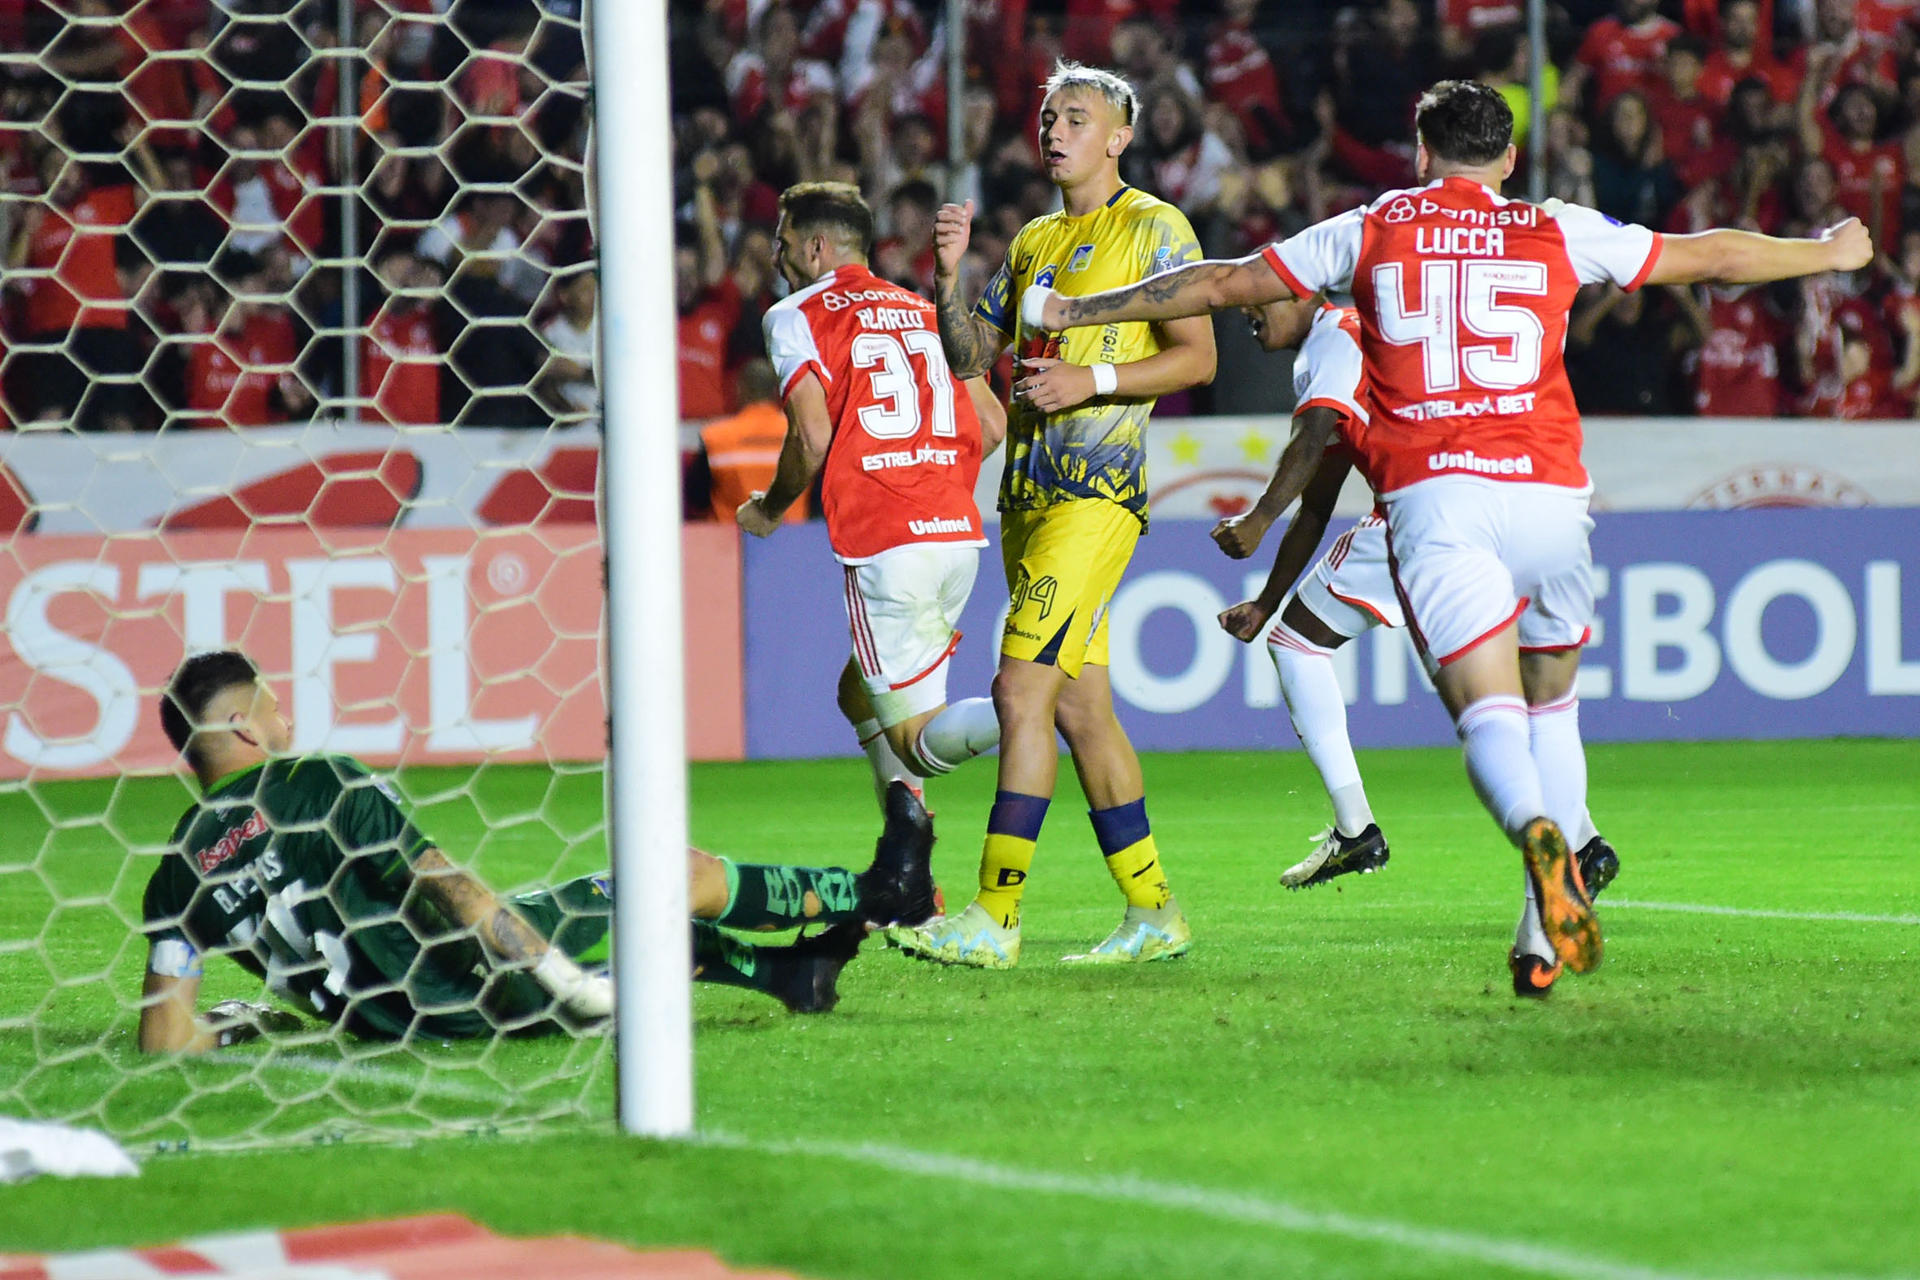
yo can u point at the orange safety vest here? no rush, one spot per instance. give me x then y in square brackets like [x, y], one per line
[742, 454]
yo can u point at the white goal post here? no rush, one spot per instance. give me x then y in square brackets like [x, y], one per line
[647, 771]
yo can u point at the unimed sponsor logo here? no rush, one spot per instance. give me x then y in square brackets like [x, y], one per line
[924, 527]
[1471, 461]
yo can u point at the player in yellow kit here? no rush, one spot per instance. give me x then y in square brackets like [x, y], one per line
[1073, 503]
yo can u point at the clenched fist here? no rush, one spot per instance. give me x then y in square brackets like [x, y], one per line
[952, 227]
[1246, 620]
[1852, 247]
[1239, 536]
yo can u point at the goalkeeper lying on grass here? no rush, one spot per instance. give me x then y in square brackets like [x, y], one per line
[307, 871]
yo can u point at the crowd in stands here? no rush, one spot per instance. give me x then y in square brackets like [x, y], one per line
[1262, 116]
[180, 250]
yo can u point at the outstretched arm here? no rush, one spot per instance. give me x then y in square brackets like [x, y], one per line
[1726, 256]
[809, 433]
[1240, 536]
[1197, 289]
[170, 1020]
[1186, 359]
[1295, 553]
[511, 941]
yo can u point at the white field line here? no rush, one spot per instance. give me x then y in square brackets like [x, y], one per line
[1226, 1206]
[1752, 913]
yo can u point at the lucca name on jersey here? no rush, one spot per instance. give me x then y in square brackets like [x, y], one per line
[1097, 449]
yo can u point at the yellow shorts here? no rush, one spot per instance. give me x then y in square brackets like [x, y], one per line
[1063, 565]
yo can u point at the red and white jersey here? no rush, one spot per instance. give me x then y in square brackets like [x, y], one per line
[1463, 298]
[1330, 373]
[906, 441]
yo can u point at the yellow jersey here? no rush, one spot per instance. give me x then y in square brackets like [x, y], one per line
[1096, 449]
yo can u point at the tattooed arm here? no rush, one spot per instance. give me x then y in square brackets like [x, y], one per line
[971, 343]
[1193, 290]
[510, 941]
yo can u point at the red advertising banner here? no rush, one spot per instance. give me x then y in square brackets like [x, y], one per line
[407, 646]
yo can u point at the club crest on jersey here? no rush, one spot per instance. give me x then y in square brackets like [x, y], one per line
[1399, 211]
[1081, 257]
[1045, 278]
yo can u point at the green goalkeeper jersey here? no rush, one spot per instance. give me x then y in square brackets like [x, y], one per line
[299, 870]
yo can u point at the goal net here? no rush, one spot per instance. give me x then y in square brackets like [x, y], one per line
[299, 337]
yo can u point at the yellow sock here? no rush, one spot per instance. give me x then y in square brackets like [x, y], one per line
[1003, 876]
[1132, 857]
[1013, 828]
[1136, 869]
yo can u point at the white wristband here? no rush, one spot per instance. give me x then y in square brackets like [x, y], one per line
[1105, 380]
[1033, 305]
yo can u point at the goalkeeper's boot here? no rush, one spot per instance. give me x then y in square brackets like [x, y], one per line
[898, 888]
[1337, 855]
[1566, 911]
[1599, 864]
[1533, 977]
[1145, 933]
[806, 974]
[973, 939]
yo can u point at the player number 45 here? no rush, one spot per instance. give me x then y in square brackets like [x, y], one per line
[1460, 301]
[891, 368]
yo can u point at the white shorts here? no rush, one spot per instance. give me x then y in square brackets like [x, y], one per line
[1351, 588]
[901, 607]
[1472, 555]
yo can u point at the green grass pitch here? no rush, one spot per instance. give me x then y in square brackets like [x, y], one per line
[1335, 1083]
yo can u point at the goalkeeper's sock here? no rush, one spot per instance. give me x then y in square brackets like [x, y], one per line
[1319, 714]
[1132, 857]
[887, 767]
[964, 730]
[729, 961]
[768, 897]
[1554, 737]
[1013, 828]
[1493, 732]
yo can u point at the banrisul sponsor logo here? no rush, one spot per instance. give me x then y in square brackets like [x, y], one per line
[1468, 460]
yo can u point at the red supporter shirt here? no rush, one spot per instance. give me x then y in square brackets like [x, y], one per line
[400, 367]
[906, 441]
[1854, 173]
[1687, 134]
[1463, 298]
[76, 244]
[1240, 74]
[231, 377]
[1737, 369]
[1865, 63]
[704, 334]
[1719, 74]
[1622, 57]
[1471, 19]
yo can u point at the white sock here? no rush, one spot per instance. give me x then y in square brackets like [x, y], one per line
[886, 766]
[1554, 734]
[1319, 715]
[965, 729]
[1529, 938]
[1494, 733]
